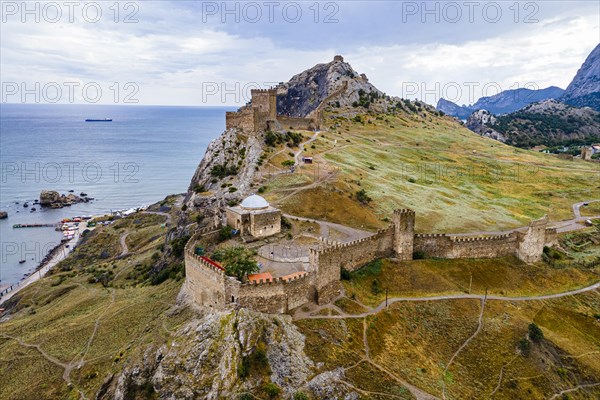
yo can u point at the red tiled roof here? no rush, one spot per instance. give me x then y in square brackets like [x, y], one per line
[265, 276]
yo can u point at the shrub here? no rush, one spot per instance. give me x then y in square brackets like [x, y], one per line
[300, 396]
[225, 233]
[376, 287]
[178, 244]
[362, 196]
[524, 346]
[535, 333]
[271, 389]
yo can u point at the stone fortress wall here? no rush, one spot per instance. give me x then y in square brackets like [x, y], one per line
[210, 287]
[261, 115]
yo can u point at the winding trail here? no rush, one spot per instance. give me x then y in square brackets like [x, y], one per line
[352, 233]
[481, 297]
[123, 242]
[583, 386]
[466, 342]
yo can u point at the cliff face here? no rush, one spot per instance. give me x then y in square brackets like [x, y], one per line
[548, 122]
[482, 122]
[584, 90]
[334, 81]
[224, 355]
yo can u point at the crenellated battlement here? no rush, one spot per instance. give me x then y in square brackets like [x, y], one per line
[279, 280]
[404, 211]
[460, 239]
[430, 235]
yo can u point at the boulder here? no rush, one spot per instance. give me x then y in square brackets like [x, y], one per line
[3, 215]
[49, 197]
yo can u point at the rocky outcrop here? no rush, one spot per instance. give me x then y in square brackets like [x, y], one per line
[549, 123]
[335, 82]
[221, 355]
[3, 215]
[482, 122]
[52, 199]
[584, 89]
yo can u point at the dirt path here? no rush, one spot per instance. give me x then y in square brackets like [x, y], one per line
[351, 233]
[392, 300]
[301, 146]
[479, 327]
[557, 395]
[123, 242]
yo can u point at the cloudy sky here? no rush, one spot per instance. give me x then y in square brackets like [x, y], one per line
[212, 53]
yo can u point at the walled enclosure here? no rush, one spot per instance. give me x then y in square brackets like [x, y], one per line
[261, 115]
[210, 287]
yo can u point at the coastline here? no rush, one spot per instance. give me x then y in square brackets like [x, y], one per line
[56, 255]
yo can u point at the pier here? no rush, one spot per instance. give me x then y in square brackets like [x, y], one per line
[16, 226]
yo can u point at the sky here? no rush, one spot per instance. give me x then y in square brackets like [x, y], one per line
[212, 53]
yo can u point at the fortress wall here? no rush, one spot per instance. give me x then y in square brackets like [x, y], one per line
[205, 283]
[483, 247]
[551, 237]
[328, 262]
[444, 246]
[433, 245]
[307, 124]
[242, 119]
[532, 242]
[277, 296]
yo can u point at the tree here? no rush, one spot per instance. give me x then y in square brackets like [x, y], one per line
[535, 333]
[239, 262]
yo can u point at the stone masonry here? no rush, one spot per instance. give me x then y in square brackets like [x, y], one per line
[209, 287]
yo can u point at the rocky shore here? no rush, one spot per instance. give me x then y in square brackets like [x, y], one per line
[52, 199]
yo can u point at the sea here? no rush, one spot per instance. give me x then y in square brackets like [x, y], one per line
[143, 155]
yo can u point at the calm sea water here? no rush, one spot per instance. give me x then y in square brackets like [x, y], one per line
[145, 154]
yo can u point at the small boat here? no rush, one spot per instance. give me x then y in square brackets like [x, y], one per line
[21, 261]
[98, 120]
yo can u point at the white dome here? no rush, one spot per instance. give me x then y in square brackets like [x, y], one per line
[254, 202]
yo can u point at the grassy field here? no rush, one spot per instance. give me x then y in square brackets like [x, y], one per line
[456, 180]
[503, 276]
[69, 329]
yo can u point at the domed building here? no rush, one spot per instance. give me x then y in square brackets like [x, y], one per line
[254, 217]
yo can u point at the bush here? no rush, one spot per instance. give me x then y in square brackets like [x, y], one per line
[535, 333]
[524, 346]
[271, 389]
[285, 223]
[300, 396]
[178, 245]
[362, 196]
[225, 233]
[376, 287]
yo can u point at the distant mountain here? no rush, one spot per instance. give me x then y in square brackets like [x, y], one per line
[584, 90]
[504, 102]
[548, 122]
[453, 109]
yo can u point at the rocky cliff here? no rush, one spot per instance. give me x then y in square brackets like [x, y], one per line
[548, 122]
[584, 89]
[224, 355]
[482, 122]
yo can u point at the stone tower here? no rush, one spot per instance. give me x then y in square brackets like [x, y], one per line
[532, 241]
[404, 233]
